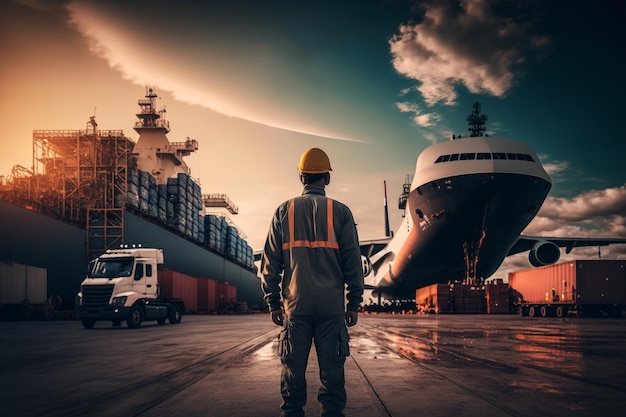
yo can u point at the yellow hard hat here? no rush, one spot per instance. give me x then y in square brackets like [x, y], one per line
[314, 161]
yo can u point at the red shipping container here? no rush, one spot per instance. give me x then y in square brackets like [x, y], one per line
[206, 294]
[224, 294]
[221, 294]
[579, 281]
[232, 293]
[178, 285]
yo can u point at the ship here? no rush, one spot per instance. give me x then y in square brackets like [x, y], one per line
[90, 190]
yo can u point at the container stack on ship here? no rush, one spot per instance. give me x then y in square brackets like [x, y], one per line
[91, 190]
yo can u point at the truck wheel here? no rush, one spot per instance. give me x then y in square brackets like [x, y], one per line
[579, 311]
[531, 311]
[543, 311]
[135, 317]
[88, 323]
[559, 312]
[175, 315]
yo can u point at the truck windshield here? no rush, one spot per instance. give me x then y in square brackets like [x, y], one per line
[113, 268]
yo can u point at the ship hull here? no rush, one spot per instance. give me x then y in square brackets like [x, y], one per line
[35, 239]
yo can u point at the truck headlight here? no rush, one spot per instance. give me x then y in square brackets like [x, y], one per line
[119, 301]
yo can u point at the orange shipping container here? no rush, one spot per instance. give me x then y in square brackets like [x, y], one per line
[435, 297]
[462, 298]
[579, 282]
[178, 285]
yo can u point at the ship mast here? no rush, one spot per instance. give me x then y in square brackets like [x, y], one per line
[149, 116]
[476, 121]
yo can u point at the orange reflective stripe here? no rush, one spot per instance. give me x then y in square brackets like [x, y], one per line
[310, 244]
[330, 243]
[331, 228]
[290, 216]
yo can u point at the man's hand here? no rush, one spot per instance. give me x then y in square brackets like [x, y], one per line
[277, 317]
[351, 318]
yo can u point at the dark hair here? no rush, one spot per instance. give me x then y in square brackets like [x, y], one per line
[309, 178]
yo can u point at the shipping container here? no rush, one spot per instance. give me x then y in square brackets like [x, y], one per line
[497, 297]
[174, 284]
[23, 284]
[579, 287]
[491, 298]
[468, 298]
[225, 294]
[206, 295]
[433, 298]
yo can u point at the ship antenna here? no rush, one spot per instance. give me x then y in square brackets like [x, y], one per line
[476, 121]
[92, 122]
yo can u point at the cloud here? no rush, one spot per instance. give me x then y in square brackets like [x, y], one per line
[593, 214]
[426, 120]
[462, 44]
[606, 208]
[420, 119]
[555, 167]
[197, 70]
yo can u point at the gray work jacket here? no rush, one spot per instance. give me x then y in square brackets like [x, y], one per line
[313, 244]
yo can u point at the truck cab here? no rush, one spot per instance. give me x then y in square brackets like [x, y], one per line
[122, 284]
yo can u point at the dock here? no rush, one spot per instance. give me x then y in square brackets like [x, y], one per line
[400, 366]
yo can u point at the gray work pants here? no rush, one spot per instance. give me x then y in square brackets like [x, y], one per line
[331, 344]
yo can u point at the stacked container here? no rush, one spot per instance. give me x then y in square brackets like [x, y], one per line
[185, 195]
[434, 298]
[214, 237]
[492, 298]
[232, 237]
[469, 299]
[237, 249]
[162, 203]
[132, 194]
[497, 297]
[178, 205]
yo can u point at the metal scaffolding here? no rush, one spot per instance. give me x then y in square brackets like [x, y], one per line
[79, 176]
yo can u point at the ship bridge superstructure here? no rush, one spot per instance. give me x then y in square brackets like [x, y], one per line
[154, 152]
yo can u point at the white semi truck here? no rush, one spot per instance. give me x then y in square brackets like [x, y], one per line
[123, 284]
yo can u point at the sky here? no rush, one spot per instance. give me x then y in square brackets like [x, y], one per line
[372, 83]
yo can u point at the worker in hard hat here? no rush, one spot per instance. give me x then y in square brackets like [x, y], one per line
[312, 253]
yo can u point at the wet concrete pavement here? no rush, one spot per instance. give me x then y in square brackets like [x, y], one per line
[463, 365]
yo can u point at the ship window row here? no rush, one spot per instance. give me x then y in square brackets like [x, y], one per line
[485, 155]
